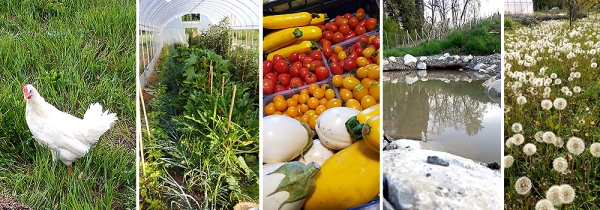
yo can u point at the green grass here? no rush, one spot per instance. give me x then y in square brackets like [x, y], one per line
[548, 41]
[75, 53]
[476, 41]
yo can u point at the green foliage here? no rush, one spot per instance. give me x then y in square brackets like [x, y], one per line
[510, 24]
[476, 41]
[217, 37]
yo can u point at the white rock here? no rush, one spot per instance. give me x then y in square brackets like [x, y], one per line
[392, 59]
[441, 58]
[423, 58]
[410, 78]
[494, 89]
[421, 65]
[409, 60]
[415, 184]
[456, 57]
[480, 66]
[492, 67]
[395, 80]
[385, 62]
[421, 73]
[424, 79]
[446, 54]
[467, 58]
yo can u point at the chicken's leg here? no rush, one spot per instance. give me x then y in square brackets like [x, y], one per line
[70, 169]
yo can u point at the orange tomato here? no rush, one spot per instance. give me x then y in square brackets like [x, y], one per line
[312, 122]
[361, 61]
[374, 90]
[367, 101]
[362, 72]
[337, 80]
[368, 52]
[367, 82]
[269, 109]
[346, 94]
[337, 49]
[303, 108]
[333, 103]
[342, 55]
[319, 93]
[291, 102]
[323, 101]
[279, 98]
[303, 98]
[359, 92]
[277, 113]
[292, 111]
[312, 102]
[350, 82]
[320, 109]
[304, 91]
[296, 97]
[310, 112]
[312, 88]
[329, 94]
[325, 86]
[353, 103]
[374, 73]
[305, 119]
[280, 106]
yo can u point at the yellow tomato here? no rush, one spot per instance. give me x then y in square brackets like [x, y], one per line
[333, 103]
[362, 72]
[303, 98]
[312, 102]
[291, 102]
[367, 82]
[279, 98]
[270, 109]
[346, 94]
[304, 91]
[329, 94]
[312, 88]
[350, 82]
[320, 109]
[323, 101]
[342, 56]
[337, 49]
[361, 61]
[280, 106]
[353, 103]
[374, 73]
[359, 92]
[337, 80]
[367, 101]
[368, 52]
[303, 108]
[374, 90]
[312, 122]
[318, 93]
[292, 111]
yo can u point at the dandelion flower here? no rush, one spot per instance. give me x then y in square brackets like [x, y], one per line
[555, 195]
[549, 137]
[582, 122]
[560, 164]
[510, 142]
[575, 145]
[568, 193]
[529, 149]
[564, 89]
[508, 161]
[546, 95]
[576, 89]
[521, 100]
[557, 81]
[547, 90]
[558, 142]
[560, 103]
[553, 75]
[546, 104]
[518, 139]
[544, 204]
[569, 93]
[577, 74]
[523, 185]
[539, 136]
[594, 65]
[517, 127]
[595, 149]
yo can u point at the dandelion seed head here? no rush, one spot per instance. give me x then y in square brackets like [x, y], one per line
[544, 204]
[554, 195]
[557, 81]
[569, 93]
[546, 104]
[575, 145]
[594, 65]
[547, 90]
[558, 142]
[523, 185]
[568, 193]
[548, 137]
[508, 161]
[553, 75]
[560, 103]
[518, 139]
[509, 142]
[595, 149]
[521, 100]
[576, 89]
[539, 136]
[517, 127]
[529, 149]
[560, 164]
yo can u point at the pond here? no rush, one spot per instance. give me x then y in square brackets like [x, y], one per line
[450, 112]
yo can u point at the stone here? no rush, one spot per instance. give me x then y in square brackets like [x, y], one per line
[410, 78]
[421, 65]
[480, 66]
[421, 73]
[409, 60]
[437, 161]
[385, 62]
[392, 59]
[466, 59]
[412, 183]
[494, 90]
[446, 54]
[423, 58]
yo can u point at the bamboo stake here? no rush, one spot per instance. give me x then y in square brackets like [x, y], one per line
[223, 85]
[141, 145]
[210, 75]
[231, 108]
[244, 69]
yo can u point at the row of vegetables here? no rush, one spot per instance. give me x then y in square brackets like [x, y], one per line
[321, 125]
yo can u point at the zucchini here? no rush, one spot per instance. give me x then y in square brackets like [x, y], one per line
[288, 20]
[320, 20]
[284, 37]
[298, 47]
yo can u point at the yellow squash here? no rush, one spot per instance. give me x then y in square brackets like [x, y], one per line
[284, 37]
[371, 132]
[288, 20]
[364, 115]
[320, 20]
[298, 47]
[347, 179]
[354, 125]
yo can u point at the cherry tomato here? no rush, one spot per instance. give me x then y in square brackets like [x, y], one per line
[360, 14]
[352, 56]
[310, 78]
[322, 73]
[333, 59]
[363, 22]
[336, 69]
[301, 56]
[267, 67]
[271, 76]
[322, 27]
[268, 86]
[361, 61]
[293, 57]
[327, 51]
[325, 42]
[297, 63]
[331, 26]
[363, 39]
[358, 50]
[294, 71]
[349, 64]
[296, 82]
[370, 25]
[340, 21]
[360, 30]
[347, 16]
[281, 66]
[344, 29]
[316, 55]
[338, 37]
[303, 72]
[306, 60]
[277, 57]
[327, 35]
[350, 35]
[342, 56]
[279, 88]
[317, 63]
[284, 79]
[376, 42]
[353, 22]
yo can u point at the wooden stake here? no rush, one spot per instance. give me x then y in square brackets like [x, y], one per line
[223, 85]
[210, 75]
[231, 108]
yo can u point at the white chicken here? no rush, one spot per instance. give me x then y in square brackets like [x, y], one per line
[68, 137]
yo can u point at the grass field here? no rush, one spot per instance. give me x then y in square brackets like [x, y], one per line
[74, 52]
[552, 89]
[476, 41]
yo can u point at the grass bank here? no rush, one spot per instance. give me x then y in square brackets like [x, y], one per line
[75, 53]
[476, 41]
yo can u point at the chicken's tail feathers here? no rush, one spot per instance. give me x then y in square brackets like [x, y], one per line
[99, 122]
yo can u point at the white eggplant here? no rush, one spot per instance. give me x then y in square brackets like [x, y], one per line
[331, 127]
[286, 185]
[317, 153]
[284, 138]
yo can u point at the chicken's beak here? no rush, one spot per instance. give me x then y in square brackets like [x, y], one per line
[25, 98]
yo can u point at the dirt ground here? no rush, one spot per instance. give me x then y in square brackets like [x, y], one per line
[8, 203]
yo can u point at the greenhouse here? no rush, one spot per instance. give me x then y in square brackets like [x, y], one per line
[518, 7]
[198, 76]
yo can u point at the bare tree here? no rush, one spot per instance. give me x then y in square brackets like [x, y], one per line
[577, 8]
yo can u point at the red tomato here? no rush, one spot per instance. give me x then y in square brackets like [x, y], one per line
[376, 42]
[352, 55]
[327, 35]
[360, 30]
[297, 63]
[363, 22]
[325, 42]
[333, 59]
[363, 38]
[293, 57]
[279, 88]
[304, 71]
[360, 13]
[301, 56]
[268, 86]
[340, 21]
[327, 51]
[350, 35]
[310, 78]
[353, 22]
[338, 37]
[344, 29]
[267, 67]
[306, 60]
[347, 16]
[316, 55]
[295, 71]
[336, 68]
[349, 64]
[322, 27]
[371, 22]
[277, 57]
[317, 63]
[281, 66]
[322, 73]
[296, 82]
[284, 79]
[331, 26]
[358, 51]
[272, 77]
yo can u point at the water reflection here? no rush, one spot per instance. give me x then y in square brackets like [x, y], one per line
[456, 114]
